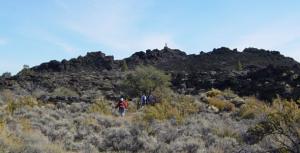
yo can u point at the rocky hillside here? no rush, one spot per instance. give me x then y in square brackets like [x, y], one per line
[70, 106]
[252, 71]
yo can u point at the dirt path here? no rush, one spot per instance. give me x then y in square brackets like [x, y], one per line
[129, 116]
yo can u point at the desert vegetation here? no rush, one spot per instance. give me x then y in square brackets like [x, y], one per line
[211, 121]
[145, 80]
[280, 124]
[187, 124]
[176, 107]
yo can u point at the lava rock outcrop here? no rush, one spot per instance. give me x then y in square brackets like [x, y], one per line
[256, 72]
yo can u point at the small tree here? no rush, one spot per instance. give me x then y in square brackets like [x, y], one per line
[124, 66]
[26, 71]
[145, 79]
[239, 66]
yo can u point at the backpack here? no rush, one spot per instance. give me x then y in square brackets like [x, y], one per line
[126, 103]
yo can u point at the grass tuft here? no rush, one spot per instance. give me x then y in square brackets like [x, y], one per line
[221, 104]
[100, 106]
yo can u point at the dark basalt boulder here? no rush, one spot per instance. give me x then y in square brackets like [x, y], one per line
[266, 83]
[93, 61]
[223, 50]
[54, 65]
[164, 58]
[257, 72]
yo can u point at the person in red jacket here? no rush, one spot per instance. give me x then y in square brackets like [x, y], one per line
[122, 105]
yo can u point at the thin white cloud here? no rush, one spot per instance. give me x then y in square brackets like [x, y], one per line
[65, 46]
[60, 43]
[3, 41]
[52, 39]
[296, 54]
[115, 25]
[283, 36]
[9, 66]
[293, 50]
[274, 36]
[158, 40]
[62, 4]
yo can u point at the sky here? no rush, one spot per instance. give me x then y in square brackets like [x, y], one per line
[35, 31]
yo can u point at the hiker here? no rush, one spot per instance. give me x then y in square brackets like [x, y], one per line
[122, 105]
[151, 100]
[143, 100]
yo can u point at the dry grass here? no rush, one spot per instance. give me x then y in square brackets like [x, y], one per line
[90, 121]
[9, 140]
[28, 101]
[63, 91]
[13, 102]
[280, 125]
[54, 148]
[186, 105]
[172, 107]
[213, 93]
[227, 132]
[100, 106]
[228, 92]
[221, 104]
[27, 139]
[252, 108]
[162, 111]
[25, 124]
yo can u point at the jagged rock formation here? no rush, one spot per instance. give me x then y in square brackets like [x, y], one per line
[258, 72]
[93, 61]
[221, 59]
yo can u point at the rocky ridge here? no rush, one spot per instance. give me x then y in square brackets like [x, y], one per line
[257, 72]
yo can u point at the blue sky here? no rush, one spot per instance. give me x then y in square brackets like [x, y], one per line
[32, 31]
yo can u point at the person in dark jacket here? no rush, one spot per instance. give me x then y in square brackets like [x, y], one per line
[143, 100]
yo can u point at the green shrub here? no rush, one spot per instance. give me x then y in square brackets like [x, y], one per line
[163, 94]
[144, 80]
[239, 66]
